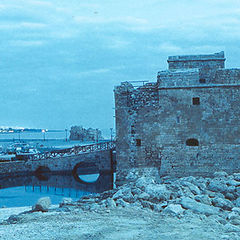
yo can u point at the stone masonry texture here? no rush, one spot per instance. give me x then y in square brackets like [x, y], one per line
[186, 123]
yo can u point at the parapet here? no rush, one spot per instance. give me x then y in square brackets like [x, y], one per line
[215, 60]
[183, 77]
[205, 57]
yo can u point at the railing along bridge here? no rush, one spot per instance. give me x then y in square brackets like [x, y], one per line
[66, 152]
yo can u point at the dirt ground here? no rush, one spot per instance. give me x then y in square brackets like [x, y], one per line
[118, 223]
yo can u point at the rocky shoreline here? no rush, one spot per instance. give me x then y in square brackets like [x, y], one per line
[148, 208]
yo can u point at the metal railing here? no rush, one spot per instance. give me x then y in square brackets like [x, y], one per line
[73, 151]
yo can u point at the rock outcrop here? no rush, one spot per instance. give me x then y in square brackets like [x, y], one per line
[218, 196]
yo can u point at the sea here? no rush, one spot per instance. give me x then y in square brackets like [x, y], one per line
[26, 190]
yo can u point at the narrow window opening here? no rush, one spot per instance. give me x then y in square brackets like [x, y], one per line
[133, 129]
[138, 142]
[192, 142]
[178, 119]
[202, 80]
[196, 101]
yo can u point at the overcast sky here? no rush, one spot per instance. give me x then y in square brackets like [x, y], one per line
[60, 59]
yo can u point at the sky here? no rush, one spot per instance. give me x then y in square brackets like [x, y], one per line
[60, 59]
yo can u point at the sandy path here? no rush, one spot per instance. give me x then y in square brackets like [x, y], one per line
[118, 223]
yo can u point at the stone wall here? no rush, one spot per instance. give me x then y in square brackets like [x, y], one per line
[227, 76]
[200, 161]
[207, 64]
[178, 78]
[156, 122]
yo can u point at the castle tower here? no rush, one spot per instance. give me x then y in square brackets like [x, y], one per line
[186, 123]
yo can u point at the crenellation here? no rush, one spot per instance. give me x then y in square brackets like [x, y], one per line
[201, 57]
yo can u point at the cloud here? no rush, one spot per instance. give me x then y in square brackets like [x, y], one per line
[115, 43]
[16, 25]
[67, 49]
[169, 48]
[94, 71]
[26, 43]
[104, 20]
[39, 3]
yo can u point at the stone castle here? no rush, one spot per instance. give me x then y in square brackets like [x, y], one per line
[186, 123]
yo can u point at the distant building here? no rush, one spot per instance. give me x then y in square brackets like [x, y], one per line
[186, 123]
[85, 135]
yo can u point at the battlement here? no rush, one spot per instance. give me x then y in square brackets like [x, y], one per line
[182, 77]
[212, 61]
[206, 57]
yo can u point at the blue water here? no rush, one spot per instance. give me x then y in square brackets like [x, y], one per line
[28, 195]
[61, 135]
[25, 191]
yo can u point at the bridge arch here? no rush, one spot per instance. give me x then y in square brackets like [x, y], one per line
[82, 168]
[42, 173]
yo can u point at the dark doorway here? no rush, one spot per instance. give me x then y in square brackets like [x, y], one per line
[192, 142]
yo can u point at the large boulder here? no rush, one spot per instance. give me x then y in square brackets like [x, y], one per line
[237, 192]
[157, 192]
[235, 221]
[230, 196]
[121, 202]
[194, 189]
[203, 199]
[136, 191]
[236, 176]
[124, 193]
[222, 203]
[159, 206]
[236, 209]
[66, 201]
[198, 207]
[234, 218]
[143, 196]
[220, 174]
[118, 194]
[42, 204]
[14, 219]
[173, 209]
[233, 182]
[110, 203]
[147, 204]
[237, 202]
[142, 182]
[218, 185]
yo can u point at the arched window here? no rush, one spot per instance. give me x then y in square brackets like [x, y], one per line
[192, 142]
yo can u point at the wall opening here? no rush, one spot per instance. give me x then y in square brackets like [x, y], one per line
[192, 142]
[178, 119]
[202, 80]
[138, 142]
[196, 101]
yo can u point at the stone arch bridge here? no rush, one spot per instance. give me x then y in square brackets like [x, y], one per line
[99, 157]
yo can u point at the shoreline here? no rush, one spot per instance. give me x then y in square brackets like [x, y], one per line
[6, 212]
[144, 208]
